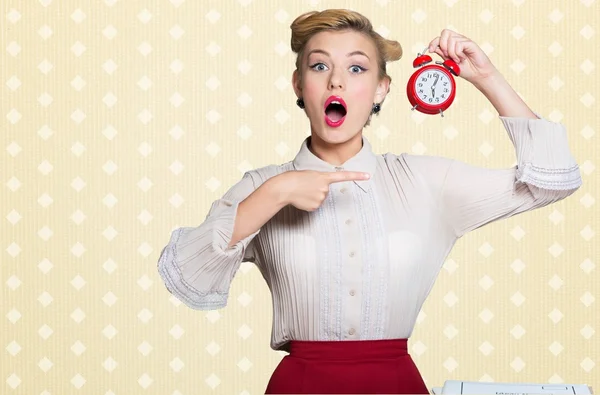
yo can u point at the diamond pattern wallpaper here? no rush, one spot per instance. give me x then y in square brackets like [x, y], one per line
[123, 120]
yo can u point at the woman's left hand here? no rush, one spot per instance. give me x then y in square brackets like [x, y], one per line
[474, 64]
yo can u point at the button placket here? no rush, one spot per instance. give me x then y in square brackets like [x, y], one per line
[352, 267]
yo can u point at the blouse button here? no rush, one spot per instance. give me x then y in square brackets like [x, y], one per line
[352, 293]
[348, 221]
[351, 331]
[343, 190]
[351, 254]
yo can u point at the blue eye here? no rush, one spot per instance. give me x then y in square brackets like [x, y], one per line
[357, 69]
[318, 67]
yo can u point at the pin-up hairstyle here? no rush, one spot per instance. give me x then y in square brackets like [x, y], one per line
[310, 23]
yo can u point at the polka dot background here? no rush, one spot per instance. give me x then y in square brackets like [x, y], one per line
[122, 120]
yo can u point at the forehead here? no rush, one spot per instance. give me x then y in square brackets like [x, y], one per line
[340, 43]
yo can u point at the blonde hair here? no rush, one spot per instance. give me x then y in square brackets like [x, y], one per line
[310, 23]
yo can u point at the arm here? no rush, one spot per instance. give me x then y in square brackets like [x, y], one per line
[503, 97]
[546, 170]
[199, 263]
[258, 208]
[470, 197]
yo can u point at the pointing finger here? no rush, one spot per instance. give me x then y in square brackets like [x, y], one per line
[339, 176]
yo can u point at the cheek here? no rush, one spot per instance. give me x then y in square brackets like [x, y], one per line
[362, 99]
[311, 91]
[310, 80]
[363, 92]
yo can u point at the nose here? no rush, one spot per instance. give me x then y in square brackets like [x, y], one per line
[335, 84]
[336, 81]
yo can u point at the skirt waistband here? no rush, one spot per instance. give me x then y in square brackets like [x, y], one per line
[349, 349]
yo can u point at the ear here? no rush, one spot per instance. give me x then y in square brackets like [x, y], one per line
[382, 90]
[297, 83]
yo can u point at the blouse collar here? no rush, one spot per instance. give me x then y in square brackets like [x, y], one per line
[363, 161]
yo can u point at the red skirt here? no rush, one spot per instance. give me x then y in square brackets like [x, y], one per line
[347, 367]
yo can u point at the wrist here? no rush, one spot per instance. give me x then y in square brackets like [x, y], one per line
[489, 82]
[279, 190]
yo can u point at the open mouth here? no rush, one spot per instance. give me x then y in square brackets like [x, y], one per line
[335, 111]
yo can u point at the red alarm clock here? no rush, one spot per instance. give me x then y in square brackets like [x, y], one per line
[431, 88]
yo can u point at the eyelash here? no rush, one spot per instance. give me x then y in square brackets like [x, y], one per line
[362, 69]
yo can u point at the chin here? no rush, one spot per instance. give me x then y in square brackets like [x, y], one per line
[335, 135]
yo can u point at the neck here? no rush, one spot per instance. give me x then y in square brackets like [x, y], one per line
[335, 154]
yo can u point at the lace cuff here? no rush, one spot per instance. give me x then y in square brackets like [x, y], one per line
[544, 159]
[556, 179]
[176, 284]
[197, 266]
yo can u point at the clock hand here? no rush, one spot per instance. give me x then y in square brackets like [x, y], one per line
[433, 86]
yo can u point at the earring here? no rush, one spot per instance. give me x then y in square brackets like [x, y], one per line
[376, 108]
[300, 103]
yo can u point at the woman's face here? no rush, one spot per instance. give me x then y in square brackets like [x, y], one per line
[339, 67]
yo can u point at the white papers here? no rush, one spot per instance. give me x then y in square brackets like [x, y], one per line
[485, 388]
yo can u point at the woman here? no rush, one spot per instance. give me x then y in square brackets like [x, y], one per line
[350, 242]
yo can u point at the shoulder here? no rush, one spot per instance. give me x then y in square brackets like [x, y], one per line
[423, 164]
[262, 174]
[426, 172]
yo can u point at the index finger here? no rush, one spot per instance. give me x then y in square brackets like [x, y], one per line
[434, 44]
[339, 176]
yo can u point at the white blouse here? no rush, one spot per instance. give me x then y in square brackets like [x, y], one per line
[361, 266]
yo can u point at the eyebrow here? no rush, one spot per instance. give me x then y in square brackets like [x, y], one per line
[348, 55]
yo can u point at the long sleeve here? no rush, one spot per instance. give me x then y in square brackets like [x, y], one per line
[469, 197]
[196, 265]
[546, 172]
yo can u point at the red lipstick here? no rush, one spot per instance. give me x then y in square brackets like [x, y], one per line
[336, 114]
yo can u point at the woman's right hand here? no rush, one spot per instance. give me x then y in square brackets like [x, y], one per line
[308, 189]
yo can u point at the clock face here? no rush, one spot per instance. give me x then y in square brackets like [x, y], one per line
[433, 87]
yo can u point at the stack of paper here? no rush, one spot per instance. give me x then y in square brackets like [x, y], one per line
[485, 388]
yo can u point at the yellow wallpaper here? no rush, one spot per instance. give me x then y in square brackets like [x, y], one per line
[122, 120]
